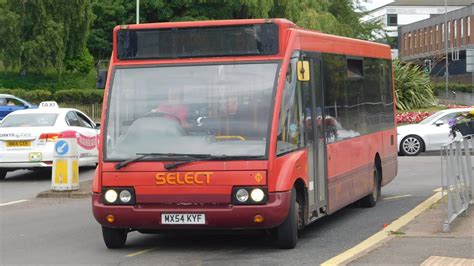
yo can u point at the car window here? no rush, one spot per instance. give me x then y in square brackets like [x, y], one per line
[3, 101]
[72, 119]
[85, 122]
[30, 120]
[447, 117]
[14, 102]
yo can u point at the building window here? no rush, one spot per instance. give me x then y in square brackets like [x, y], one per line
[392, 20]
[449, 30]
[462, 27]
[468, 26]
[442, 32]
[436, 34]
[416, 41]
[409, 40]
[455, 29]
[426, 38]
[421, 38]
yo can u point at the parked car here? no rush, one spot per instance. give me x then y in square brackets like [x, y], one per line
[428, 135]
[10, 103]
[27, 137]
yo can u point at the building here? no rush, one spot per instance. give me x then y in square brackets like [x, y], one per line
[394, 14]
[424, 42]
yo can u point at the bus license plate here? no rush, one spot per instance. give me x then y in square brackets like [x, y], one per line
[183, 218]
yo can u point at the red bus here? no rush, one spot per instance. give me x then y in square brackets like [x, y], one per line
[240, 124]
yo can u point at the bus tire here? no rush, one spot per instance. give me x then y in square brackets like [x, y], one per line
[114, 237]
[3, 174]
[287, 232]
[370, 200]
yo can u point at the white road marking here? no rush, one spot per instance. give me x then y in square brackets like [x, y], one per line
[139, 252]
[397, 197]
[12, 202]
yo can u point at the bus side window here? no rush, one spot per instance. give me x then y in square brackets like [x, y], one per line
[290, 123]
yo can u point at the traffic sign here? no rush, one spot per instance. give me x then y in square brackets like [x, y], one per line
[61, 147]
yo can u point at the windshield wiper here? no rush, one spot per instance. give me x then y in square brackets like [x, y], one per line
[141, 156]
[170, 166]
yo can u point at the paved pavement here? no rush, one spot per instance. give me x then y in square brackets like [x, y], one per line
[25, 185]
[422, 241]
[45, 231]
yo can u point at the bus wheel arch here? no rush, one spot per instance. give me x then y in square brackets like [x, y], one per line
[287, 232]
[371, 199]
[302, 200]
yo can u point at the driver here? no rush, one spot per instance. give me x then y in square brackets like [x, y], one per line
[175, 107]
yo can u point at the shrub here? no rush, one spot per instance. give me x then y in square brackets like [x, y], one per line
[79, 96]
[33, 96]
[413, 87]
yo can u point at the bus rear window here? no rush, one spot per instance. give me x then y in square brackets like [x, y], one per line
[258, 39]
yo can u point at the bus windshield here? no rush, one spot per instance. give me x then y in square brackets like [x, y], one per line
[218, 109]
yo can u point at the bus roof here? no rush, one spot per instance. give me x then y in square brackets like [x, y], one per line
[303, 39]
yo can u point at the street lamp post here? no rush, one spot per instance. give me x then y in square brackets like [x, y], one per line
[138, 11]
[446, 43]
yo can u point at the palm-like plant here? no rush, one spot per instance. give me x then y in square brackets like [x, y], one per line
[413, 87]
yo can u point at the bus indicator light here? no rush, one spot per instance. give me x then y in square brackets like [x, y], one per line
[258, 218]
[110, 218]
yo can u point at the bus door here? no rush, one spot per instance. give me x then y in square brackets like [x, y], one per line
[313, 108]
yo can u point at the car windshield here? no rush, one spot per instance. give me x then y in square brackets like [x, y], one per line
[29, 120]
[217, 110]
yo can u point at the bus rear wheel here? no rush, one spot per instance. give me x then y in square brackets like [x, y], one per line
[287, 232]
[114, 237]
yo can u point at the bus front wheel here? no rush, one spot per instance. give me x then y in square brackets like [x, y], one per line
[371, 199]
[114, 237]
[287, 232]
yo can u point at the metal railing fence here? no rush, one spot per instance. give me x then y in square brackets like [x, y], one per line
[457, 177]
[92, 110]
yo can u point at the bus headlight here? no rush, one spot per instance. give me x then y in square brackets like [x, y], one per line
[118, 195]
[110, 196]
[242, 195]
[257, 195]
[249, 195]
[125, 196]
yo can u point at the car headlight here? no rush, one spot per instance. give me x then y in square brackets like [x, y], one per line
[257, 195]
[110, 196]
[125, 196]
[242, 195]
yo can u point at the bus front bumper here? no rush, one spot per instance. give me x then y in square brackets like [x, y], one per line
[147, 216]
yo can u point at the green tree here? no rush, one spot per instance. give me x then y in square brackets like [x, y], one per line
[329, 16]
[43, 33]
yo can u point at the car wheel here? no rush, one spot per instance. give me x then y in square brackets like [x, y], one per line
[3, 174]
[287, 232]
[114, 237]
[411, 145]
[370, 200]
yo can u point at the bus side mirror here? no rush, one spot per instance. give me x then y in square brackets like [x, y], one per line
[302, 69]
[101, 79]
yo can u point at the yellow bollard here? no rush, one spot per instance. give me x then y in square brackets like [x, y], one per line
[65, 174]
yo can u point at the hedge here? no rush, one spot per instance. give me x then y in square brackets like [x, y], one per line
[459, 87]
[79, 96]
[74, 96]
[33, 96]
